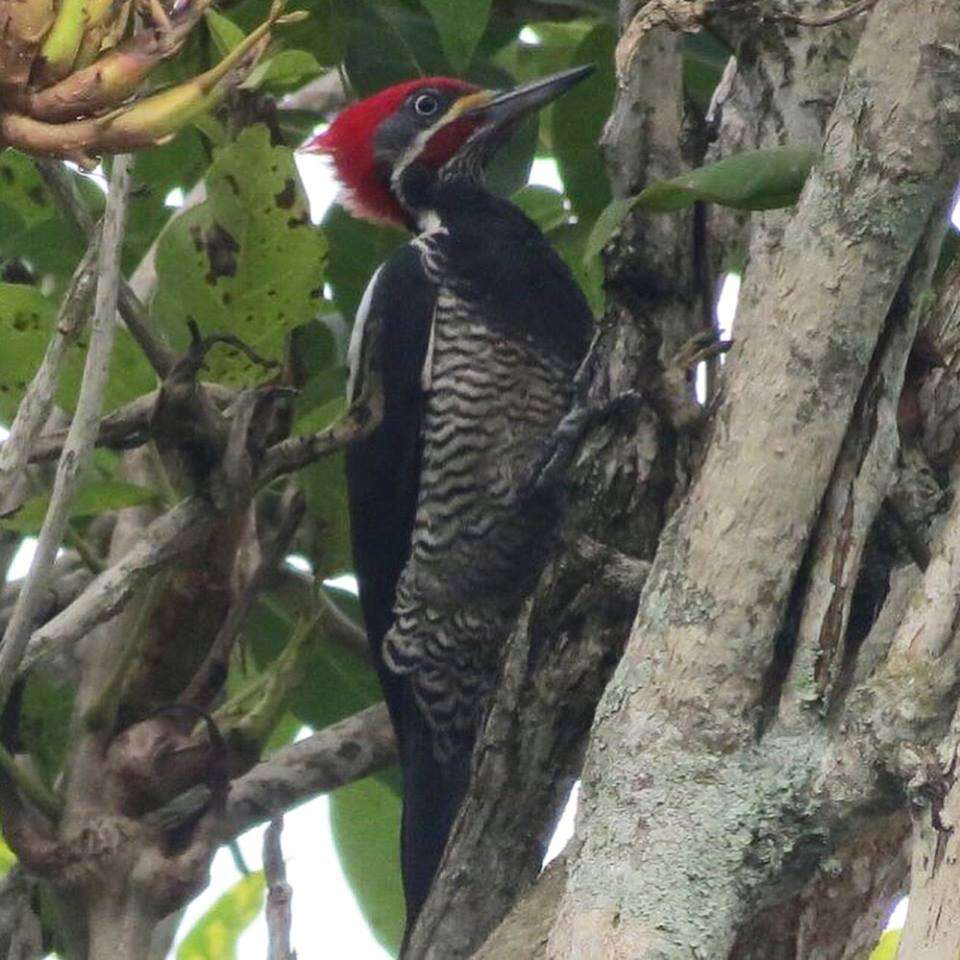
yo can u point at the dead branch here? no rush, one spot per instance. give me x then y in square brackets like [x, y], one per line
[79, 446]
[168, 537]
[134, 314]
[347, 751]
[296, 452]
[35, 406]
[826, 19]
[279, 894]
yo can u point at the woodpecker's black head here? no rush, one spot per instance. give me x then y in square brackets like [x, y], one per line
[390, 149]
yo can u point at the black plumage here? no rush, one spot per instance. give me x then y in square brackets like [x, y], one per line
[473, 331]
[488, 269]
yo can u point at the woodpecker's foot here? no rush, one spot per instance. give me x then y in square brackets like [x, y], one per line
[562, 447]
[673, 394]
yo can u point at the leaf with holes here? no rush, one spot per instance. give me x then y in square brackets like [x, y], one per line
[460, 26]
[26, 317]
[245, 262]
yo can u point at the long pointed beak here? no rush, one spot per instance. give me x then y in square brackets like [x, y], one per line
[503, 107]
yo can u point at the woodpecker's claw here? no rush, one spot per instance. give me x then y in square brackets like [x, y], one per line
[672, 395]
[562, 447]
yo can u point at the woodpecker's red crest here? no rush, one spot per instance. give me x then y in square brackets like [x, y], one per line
[425, 122]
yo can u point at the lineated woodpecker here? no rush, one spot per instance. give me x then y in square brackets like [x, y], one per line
[480, 328]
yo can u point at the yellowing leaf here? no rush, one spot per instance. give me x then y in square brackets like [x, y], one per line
[215, 934]
[887, 946]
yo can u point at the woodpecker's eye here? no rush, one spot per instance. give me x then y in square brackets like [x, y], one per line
[426, 105]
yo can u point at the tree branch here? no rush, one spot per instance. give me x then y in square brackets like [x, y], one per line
[79, 446]
[296, 452]
[686, 699]
[16, 451]
[165, 539]
[347, 751]
[278, 894]
[134, 314]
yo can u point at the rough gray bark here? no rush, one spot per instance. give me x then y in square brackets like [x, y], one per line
[567, 641]
[674, 858]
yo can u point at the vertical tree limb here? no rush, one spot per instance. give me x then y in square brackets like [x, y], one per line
[674, 776]
[279, 894]
[83, 430]
[35, 407]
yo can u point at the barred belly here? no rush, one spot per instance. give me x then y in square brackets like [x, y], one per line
[477, 548]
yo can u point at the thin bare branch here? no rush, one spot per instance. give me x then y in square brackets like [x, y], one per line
[127, 426]
[35, 407]
[165, 539]
[209, 678]
[340, 754]
[79, 446]
[296, 452]
[134, 314]
[279, 894]
[826, 19]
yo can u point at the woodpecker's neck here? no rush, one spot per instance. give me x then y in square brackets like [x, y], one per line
[428, 196]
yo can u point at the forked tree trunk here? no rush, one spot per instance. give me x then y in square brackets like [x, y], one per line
[786, 693]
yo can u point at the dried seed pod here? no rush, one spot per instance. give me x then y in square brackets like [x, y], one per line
[59, 50]
[116, 75]
[23, 25]
[148, 122]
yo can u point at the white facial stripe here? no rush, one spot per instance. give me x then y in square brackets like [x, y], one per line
[457, 109]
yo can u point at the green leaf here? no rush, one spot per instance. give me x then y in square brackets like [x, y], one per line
[31, 227]
[603, 228]
[7, 858]
[365, 819]
[577, 120]
[180, 163]
[22, 190]
[93, 498]
[388, 42]
[704, 60]
[570, 240]
[460, 25]
[130, 374]
[288, 70]
[754, 180]
[357, 248]
[224, 32]
[246, 261]
[543, 205]
[216, 933]
[26, 317]
[887, 946]
[44, 722]
[26, 322]
[336, 681]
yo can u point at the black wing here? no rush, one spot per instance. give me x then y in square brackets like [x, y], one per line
[383, 480]
[383, 470]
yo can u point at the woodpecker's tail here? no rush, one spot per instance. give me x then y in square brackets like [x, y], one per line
[432, 794]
